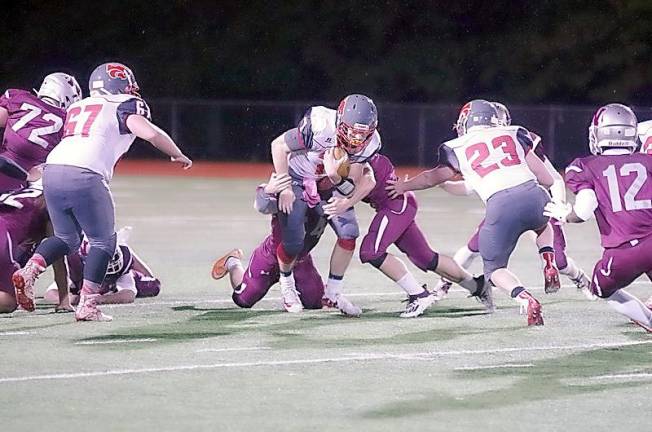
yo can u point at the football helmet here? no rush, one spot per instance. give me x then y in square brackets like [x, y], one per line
[59, 89]
[613, 126]
[504, 117]
[477, 113]
[113, 78]
[356, 122]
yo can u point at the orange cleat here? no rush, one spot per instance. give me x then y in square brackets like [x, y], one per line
[219, 267]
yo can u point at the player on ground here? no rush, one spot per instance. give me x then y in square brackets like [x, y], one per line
[394, 223]
[98, 131]
[307, 154]
[24, 222]
[566, 265]
[499, 165]
[127, 275]
[614, 184]
[33, 126]
[250, 285]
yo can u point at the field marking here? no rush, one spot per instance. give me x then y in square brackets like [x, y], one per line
[14, 333]
[342, 359]
[116, 341]
[503, 366]
[204, 350]
[622, 376]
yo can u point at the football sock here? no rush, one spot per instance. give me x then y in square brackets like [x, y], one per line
[630, 306]
[89, 287]
[410, 284]
[287, 280]
[333, 286]
[232, 262]
[571, 270]
[464, 257]
[547, 255]
[39, 261]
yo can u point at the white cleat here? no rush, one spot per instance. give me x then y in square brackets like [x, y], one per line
[291, 301]
[87, 310]
[648, 303]
[346, 307]
[584, 284]
[441, 289]
[418, 305]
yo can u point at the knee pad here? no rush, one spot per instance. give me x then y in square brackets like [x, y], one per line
[434, 262]
[240, 302]
[287, 253]
[374, 261]
[107, 245]
[346, 243]
[346, 225]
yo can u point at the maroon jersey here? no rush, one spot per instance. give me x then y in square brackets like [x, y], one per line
[33, 128]
[623, 186]
[383, 171]
[24, 217]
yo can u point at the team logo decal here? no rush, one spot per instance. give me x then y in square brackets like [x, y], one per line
[117, 71]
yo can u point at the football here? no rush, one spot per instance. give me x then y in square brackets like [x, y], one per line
[345, 167]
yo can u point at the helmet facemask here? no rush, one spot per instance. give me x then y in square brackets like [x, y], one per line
[354, 139]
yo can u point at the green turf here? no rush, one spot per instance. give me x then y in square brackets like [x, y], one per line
[190, 360]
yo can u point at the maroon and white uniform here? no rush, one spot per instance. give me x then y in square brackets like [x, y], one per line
[622, 185]
[394, 222]
[33, 129]
[23, 224]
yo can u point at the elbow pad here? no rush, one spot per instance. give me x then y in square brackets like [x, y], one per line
[345, 187]
[585, 204]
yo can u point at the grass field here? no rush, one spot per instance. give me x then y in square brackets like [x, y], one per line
[190, 360]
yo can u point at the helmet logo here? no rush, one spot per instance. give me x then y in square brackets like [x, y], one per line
[117, 71]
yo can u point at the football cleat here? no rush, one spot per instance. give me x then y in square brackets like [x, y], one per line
[533, 308]
[550, 274]
[485, 294]
[23, 281]
[648, 303]
[418, 304]
[219, 269]
[584, 284]
[88, 310]
[291, 301]
[346, 307]
[441, 289]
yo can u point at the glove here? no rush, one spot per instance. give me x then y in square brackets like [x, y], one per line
[558, 210]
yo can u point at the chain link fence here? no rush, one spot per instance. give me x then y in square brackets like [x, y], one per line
[243, 130]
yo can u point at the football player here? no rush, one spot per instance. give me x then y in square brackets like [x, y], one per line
[394, 223]
[566, 265]
[644, 132]
[24, 222]
[250, 285]
[614, 185]
[97, 132]
[33, 126]
[306, 153]
[499, 164]
[127, 275]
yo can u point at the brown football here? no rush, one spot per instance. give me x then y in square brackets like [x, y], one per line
[345, 167]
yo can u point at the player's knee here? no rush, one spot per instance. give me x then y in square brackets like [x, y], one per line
[106, 244]
[288, 251]
[425, 260]
[375, 259]
[241, 301]
[346, 243]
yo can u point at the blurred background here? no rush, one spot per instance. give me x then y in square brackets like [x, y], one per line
[226, 77]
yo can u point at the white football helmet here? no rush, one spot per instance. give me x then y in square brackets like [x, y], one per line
[60, 89]
[613, 126]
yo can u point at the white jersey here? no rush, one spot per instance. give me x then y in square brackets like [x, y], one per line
[316, 134]
[645, 136]
[491, 159]
[96, 133]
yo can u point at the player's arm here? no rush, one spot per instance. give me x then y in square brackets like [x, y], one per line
[425, 180]
[60, 278]
[586, 202]
[266, 201]
[282, 146]
[139, 265]
[558, 187]
[365, 183]
[4, 116]
[144, 129]
[460, 188]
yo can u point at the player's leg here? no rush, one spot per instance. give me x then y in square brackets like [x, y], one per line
[231, 264]
[59, 188]
[309, 283]
[7, 268]
[544, 241]
[250, 285]
[347, 230]
[292, 234]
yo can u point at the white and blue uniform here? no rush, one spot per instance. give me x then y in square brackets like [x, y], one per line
[644, 132]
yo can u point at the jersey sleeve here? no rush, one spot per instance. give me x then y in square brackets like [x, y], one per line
[293, 139]
[524, 138]
[6, 98]
[538, 146]
[305, 130]
[129, 107]
[577, 177]
[446, 157]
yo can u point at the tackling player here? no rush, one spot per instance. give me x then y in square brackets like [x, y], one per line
[33, 126]
[394, 223]
[97, 132]
[250, 285]
[615, 185]
[566, 265]
[307, 154]
[499, 165]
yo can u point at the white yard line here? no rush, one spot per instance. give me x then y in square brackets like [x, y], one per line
[14, 333]
[622, 376]
[212, 350]
[115, 341]
[503, 366]
[343, 359]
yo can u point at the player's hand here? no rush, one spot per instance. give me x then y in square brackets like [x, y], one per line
[336, 206]
[396, 187]
[285, 200]
[64, 306]
[277, 183]
[183, 160]
[331, 164]
[558, 211]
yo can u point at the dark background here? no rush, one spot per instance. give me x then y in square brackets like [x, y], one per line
[552, 62]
